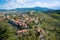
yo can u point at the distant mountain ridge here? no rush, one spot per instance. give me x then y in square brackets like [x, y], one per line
[27, 9]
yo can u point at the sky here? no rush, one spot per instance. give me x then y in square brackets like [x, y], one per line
[11, 4]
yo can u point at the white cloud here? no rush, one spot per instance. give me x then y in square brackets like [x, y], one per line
[26, 3]
[33, 4]
[49, 5]
[37, 3]
[15, 4]
[20, 1]
[12, 4]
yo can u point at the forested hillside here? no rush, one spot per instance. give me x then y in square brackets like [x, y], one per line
[42, 26]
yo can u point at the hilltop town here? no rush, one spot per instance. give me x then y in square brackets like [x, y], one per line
[28, 26]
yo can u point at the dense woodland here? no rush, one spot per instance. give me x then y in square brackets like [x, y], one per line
[49, 22]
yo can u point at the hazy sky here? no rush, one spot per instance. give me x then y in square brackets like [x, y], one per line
[9, 4]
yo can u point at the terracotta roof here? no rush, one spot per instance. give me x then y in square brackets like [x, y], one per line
[20, 31]
[1, 19]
